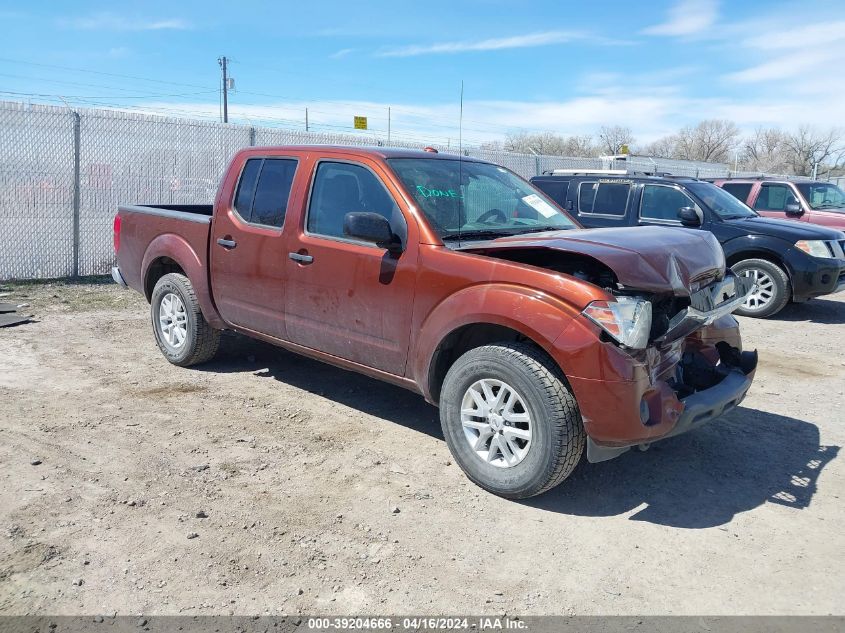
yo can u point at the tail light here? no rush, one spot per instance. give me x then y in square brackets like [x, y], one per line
[116, 233]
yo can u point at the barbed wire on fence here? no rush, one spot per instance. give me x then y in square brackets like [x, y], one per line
[64, 172]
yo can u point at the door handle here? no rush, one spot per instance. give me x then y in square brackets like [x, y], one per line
[227, 244]
[302, 259]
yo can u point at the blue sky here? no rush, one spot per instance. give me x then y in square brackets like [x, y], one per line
[566, 67]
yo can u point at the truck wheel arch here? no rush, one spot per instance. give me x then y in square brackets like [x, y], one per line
[172, 253]
[509, 321]
[769, 256]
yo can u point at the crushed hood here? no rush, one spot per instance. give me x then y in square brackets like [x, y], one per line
[649, 258]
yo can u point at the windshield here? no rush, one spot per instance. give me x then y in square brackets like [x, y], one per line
[463, 199]
[720, 201]
[822, 195]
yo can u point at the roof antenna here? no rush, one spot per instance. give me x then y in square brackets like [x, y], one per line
[460, 163]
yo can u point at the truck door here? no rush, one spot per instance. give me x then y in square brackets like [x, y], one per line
[660, 204]
[772, 200]
[248, 255]
[344, 297]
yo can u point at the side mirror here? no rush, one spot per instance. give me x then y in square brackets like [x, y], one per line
[794, 209]
[690, 217]
[371, 227]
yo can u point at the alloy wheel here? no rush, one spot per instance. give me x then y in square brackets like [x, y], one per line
[496, 423]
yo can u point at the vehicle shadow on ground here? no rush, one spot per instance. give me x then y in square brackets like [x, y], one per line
[698, 480]
[814, 311]
[239, 354]
[704, 478]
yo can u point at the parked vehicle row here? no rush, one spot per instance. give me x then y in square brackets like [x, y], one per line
[785, 260]
[539, 340]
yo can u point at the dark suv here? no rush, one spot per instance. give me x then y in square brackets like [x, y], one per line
[787, 260]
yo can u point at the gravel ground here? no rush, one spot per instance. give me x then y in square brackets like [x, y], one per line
[264, 483]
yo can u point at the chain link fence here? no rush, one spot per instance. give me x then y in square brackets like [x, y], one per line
[63, 174]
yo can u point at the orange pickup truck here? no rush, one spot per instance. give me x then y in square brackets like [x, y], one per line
[540, 341]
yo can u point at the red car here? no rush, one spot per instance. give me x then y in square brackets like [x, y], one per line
[456, 279]
[803, 200]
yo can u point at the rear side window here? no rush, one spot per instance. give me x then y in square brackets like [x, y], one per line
[246, 187]
[603, 198]
[663, 203]
[555, 189]
[739, 190]
[264, 189]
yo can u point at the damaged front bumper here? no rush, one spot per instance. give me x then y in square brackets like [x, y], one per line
[693, 372]
[695, 409]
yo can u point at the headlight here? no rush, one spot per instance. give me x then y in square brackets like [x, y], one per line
[628, 319]
[816, 248]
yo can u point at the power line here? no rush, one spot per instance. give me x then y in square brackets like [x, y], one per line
[97, 72]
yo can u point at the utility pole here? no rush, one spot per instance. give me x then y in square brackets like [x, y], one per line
[388, 125]
[222, 61]
[306, 119]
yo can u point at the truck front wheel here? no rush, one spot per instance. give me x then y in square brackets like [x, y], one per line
[510, 420]
[771, 291]
[182, 333]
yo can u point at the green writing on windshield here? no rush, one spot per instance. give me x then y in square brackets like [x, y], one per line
[427, 192]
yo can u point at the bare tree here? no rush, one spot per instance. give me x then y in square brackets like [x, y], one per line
[808, 148]
[549, 144]
[613, 137]
[662, 147]
[712, 140]
[765, 151]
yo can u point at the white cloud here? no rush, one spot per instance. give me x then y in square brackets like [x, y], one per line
[528, 40]
[687, 17]
[792, 59]
[112, 22]
[782, 36]
[343, 52]
[783, 67]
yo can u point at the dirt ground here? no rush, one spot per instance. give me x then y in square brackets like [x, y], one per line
[264, 483]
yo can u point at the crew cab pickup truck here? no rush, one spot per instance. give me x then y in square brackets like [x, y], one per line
[456, 279]
[786, 261]
[804, 200]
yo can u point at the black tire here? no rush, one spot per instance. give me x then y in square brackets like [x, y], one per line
[781, 287]
[558, 437]
[201, 341]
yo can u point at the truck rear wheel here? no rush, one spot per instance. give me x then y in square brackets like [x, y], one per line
[182, 333]
[772, 289]
[510, 420]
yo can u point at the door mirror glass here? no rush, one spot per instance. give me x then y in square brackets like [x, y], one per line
[690, 216]
[371, 227]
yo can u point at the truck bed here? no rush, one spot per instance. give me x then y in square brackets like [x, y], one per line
[149, 230]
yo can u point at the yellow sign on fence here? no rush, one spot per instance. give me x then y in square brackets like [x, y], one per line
[360, 122]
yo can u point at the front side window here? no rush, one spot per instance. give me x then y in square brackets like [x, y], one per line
[822, 195]
[341, 188]
[723, 204]
[603, 198]
[264, 189]
[461, 198]
[663, 203]
[774, 198]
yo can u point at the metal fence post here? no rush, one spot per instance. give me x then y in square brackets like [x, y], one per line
[252, 137]
[76, 191]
